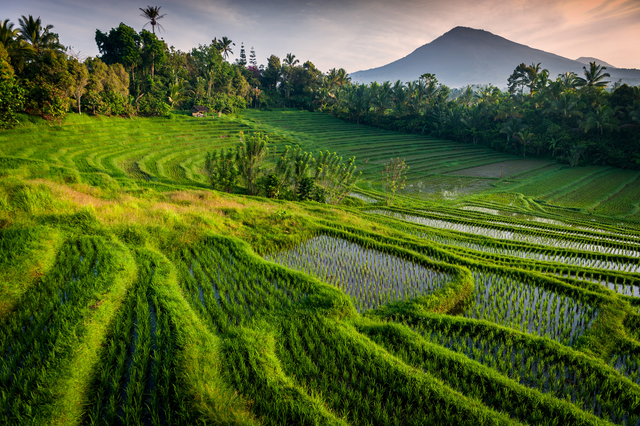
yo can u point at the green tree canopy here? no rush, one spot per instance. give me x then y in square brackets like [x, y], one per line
[121, 45]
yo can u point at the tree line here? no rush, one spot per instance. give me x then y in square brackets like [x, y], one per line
[137, 73]
[574, 119]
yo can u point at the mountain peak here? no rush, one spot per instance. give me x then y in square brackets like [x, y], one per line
[462, 35]
[466, 31]
[465, 55]
[461, 29]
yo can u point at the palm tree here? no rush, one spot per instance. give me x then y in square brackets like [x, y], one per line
[474, 121]
[224, 46]
[507, 109]
[380, 99]
[541, 82]
[467, 97]
[568, 79]
[358, 101]
[152, 13]
[524, 137]
[40, 39]
[453, 120]
[532, 75]
[553, 145]
[566, 105]
[600, 119]
[7, 34]
[178, 91]
[555, 89]
[289, 62]
[512, 127]
[17, 48]
[337, 78]
[400, 97]
[593, 76]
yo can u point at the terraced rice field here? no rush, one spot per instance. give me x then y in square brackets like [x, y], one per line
[453, 170]
[130, 293]
[373, 147]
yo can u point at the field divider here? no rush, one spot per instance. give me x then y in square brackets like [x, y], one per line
[474, 379]
[600, 339]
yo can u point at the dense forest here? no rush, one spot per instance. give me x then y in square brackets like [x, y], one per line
[576, 119]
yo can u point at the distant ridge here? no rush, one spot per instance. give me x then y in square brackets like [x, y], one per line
[465, 56]
[587, 60]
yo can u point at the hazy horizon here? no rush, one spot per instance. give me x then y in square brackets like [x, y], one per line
[354, 34]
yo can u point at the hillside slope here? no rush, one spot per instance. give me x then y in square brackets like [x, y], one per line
[465, 56]
[131, 293]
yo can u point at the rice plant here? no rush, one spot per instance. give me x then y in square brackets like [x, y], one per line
[538, 219]
[628, 364]
[362, 197]
[136, 379]
[229, 289]
[364, 386]
[546, 254]
[529, 308]
[370, 277]
[539, 365]
[34, 338]
[507, 234]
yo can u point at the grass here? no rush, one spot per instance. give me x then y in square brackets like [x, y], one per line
[131, 293]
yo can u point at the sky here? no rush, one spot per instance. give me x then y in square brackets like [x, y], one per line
[352, 34]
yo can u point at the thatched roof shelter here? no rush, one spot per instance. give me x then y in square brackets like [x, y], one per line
[199, 111]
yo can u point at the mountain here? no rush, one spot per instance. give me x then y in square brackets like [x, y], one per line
[465, 56]
[587, 60]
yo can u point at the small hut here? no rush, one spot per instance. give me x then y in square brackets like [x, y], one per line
[199, 111]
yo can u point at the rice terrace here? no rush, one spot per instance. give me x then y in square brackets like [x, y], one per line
[187, 240]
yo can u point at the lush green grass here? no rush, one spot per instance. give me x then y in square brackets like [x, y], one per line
[130, 293]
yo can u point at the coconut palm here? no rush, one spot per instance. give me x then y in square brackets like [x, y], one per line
[474, 121]
[358, 101]
[178, 91]
[400, 97]
[453, 120]
[540, 82]
[250, 155]
[8, 34]
[337, 78]
[600, 119]
[568, 79]
[523, 137]
[593, 76]
[555, 89]
[152, 13]
[39, 38]
[224, 46]
[289, 62]
[507, 108]
[17, 48]
[467, 97]
[381, 99]
[532, 72]
[512, 127]
[566, 105]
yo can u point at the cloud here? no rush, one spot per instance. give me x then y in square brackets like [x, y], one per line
[357, 34]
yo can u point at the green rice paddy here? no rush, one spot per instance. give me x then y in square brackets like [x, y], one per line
[132, 294]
